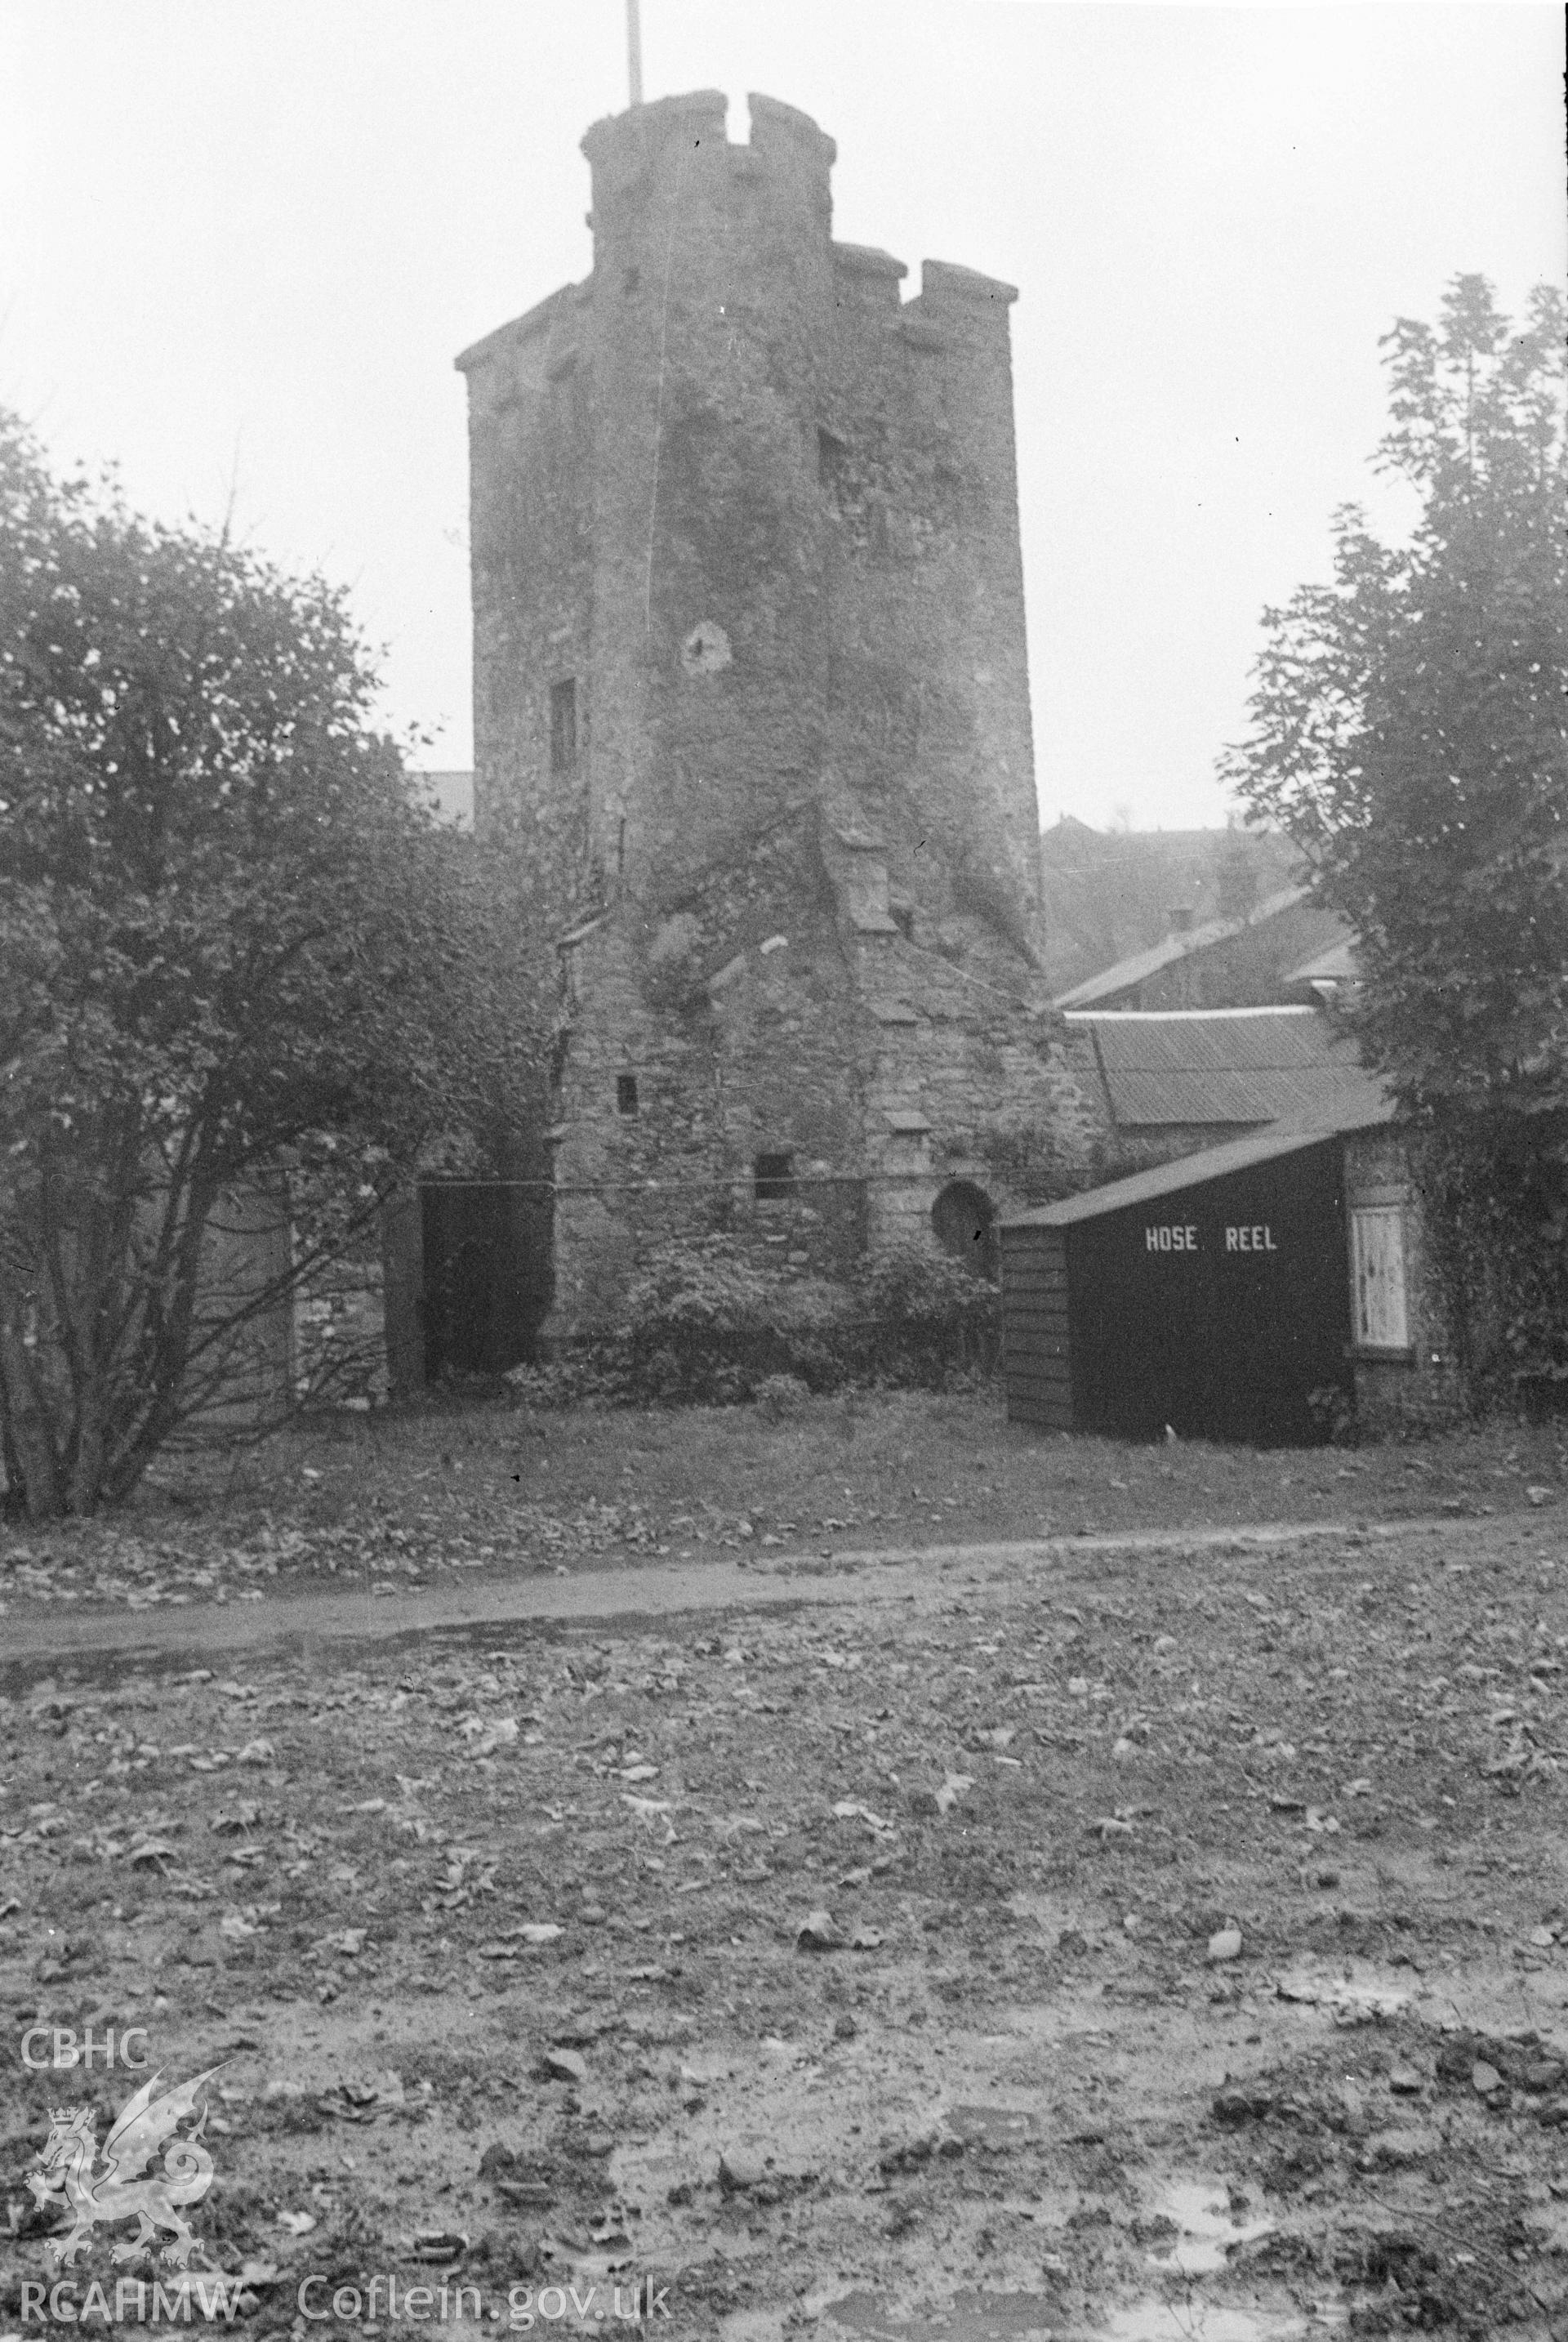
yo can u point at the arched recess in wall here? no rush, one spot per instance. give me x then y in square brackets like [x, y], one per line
[964, 1219]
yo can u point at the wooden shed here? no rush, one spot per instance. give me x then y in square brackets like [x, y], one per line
[1212, 1296]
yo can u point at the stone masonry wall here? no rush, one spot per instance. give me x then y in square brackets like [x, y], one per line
[764, 514]
[710, 280]
[928, 704]
[880, 1068]
[532, 551]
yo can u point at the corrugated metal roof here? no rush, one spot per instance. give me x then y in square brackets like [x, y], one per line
[1212, 1163]
[1126, 973]
[1147, 1038]
[1223, 1065]
[1155, 1101]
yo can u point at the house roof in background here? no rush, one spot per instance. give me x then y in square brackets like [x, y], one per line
[1107, 895]
[1334, 963]
[1242, 1066]
[1212, 1163]
[1128, 973]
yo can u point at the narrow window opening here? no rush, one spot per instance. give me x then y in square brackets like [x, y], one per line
[625, 1094]
[902, 915]
[773, 1177]
[563, 725]
[631, 280]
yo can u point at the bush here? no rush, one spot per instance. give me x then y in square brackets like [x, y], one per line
[780, 1396]
[711, 1287]
[936, 1317]
[705, 1321]
[708, 1325]
[708, 1286]
[916, 1286]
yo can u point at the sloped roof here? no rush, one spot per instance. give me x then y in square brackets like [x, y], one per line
[1243, 1066]
[1212, 1163]
[1127, 972]
[1335, 963]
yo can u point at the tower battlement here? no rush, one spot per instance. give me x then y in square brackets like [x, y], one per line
[675, 152]
[624, 150]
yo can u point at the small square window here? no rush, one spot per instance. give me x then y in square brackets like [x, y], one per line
[563, 725]
[625, 1093]
[774, 1177]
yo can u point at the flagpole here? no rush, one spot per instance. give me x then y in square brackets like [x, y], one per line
[635, 50]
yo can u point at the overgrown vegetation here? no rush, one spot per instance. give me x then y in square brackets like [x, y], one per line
[706, 1322]
[1408, 734]
[1496, 1194]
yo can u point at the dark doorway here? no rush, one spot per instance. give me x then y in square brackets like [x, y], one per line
[488, 1276]
[963, 1218]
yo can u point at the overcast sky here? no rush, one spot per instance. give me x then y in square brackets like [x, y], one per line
[241, 241]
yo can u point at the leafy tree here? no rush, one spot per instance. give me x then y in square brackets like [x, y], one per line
[232, 950]
[1408, 725]
[1409, 730]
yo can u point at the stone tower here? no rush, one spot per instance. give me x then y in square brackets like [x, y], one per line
[751, 697]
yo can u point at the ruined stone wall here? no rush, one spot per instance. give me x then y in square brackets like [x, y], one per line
[733, 1016]
[974, 1080]
[767, 516]
[879, 1069]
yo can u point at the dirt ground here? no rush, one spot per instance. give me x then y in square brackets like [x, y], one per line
[1136, 1945]
[403, 1499]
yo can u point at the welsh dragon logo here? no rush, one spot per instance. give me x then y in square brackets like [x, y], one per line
[123, 2189]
